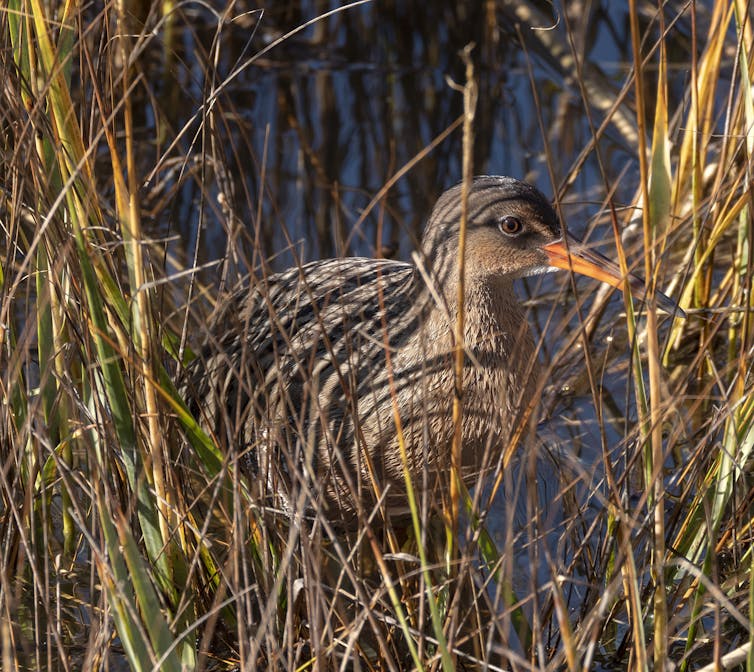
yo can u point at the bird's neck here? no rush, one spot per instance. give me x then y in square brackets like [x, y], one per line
[494, 323]
[500, 366]
[491, 311]
[499, 348]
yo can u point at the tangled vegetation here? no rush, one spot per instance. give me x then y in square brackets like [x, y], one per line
[132, 535]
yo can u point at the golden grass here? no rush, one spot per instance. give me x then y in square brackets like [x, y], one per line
[130, 532]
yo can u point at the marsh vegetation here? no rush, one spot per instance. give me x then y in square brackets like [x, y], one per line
[152, 157]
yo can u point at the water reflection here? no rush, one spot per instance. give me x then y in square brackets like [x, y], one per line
[328, 115]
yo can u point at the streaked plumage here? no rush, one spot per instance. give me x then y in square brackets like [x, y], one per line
[296, 370]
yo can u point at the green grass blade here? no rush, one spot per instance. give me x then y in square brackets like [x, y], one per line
[132, 595]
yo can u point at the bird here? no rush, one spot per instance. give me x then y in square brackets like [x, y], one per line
[335, 379]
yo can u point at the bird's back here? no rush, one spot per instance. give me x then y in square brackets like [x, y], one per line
[296, 366]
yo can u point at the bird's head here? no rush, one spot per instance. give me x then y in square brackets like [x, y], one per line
[512, 232]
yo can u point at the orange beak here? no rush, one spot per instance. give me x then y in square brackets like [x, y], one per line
[575, 257]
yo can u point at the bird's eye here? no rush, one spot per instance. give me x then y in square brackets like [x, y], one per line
[510, 226]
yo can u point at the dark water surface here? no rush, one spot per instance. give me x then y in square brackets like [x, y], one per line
[332, 112]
